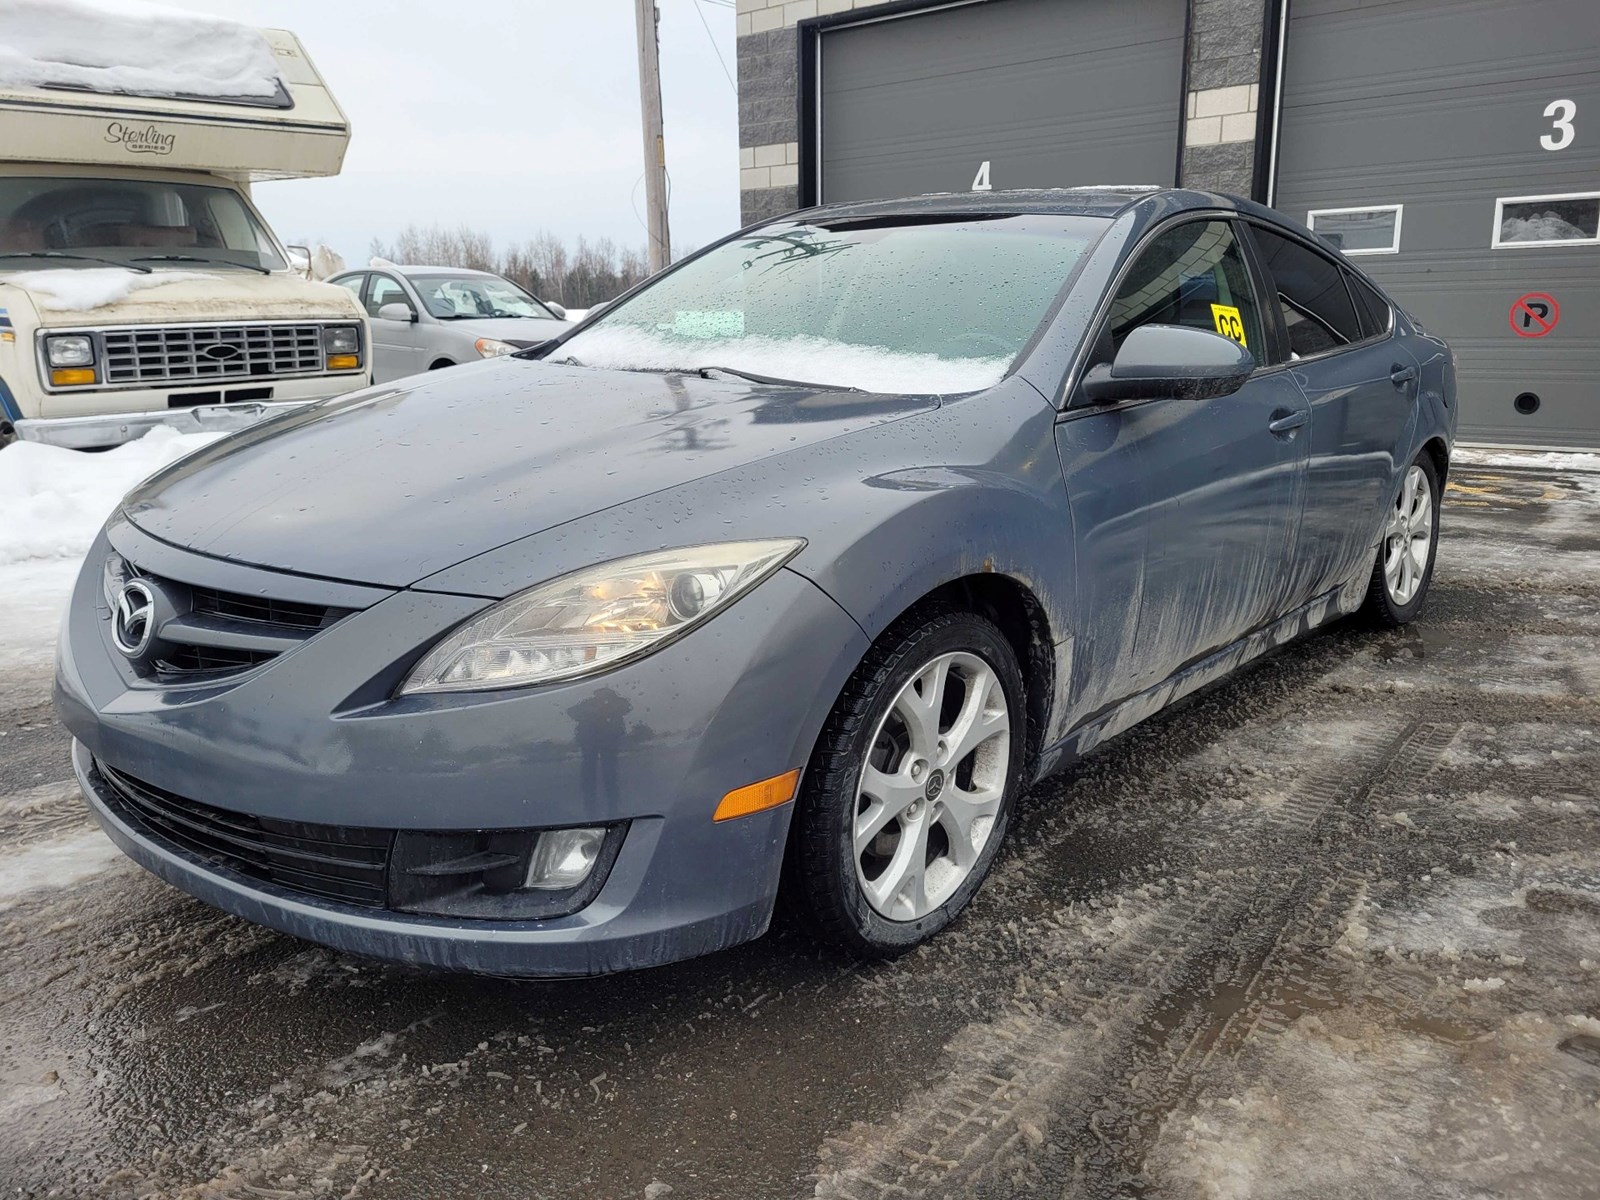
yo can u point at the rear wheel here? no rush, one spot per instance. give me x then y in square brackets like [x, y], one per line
[1404, 568]
[910, 787]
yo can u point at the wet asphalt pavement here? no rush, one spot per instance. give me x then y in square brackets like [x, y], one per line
[1329, 929]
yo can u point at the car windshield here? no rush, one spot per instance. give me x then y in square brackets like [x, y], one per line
[451, 297]
[57, 221]
[900, 305]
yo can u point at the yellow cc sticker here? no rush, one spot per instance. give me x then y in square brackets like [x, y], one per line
[1229, 323]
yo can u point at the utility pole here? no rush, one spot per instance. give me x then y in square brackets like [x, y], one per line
[655, 146]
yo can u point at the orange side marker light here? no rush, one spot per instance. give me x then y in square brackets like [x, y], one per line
[758, 797]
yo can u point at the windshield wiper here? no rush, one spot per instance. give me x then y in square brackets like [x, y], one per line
[713, 372]
[226, 262]
[85, 257]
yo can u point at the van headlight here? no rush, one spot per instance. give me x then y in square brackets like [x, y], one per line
[596, 618]
[70, 350]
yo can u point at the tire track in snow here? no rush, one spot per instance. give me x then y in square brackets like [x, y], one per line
[1132, 1027]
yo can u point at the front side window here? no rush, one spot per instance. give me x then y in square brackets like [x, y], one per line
[385, 290]
[459, 297]
[77, 222]
[353, 283]
[1318, 314]
[891, 305]
[1192, 275]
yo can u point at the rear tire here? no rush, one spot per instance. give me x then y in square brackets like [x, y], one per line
[1406, 553]
[909, 790]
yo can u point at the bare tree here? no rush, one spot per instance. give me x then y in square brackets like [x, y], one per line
[586, 275]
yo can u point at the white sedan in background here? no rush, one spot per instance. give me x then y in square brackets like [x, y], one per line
[429, 317]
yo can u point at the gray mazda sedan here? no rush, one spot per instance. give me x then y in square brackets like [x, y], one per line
[778, 581]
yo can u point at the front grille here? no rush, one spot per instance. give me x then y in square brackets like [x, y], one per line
[335, 862]
[258, 608]
[188, 660]
[181, 354]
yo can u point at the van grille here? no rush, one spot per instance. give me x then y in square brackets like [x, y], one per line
[337, 862]
[181, 354]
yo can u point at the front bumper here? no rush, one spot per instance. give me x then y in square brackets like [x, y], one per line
[93, 431]
[298, 739]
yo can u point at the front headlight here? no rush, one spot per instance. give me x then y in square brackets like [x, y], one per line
[341, 339]
[71, 350]
[597, 618]
[494, 348]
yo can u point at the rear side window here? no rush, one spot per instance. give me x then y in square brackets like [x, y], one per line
[1373, 307]
[1317, 310]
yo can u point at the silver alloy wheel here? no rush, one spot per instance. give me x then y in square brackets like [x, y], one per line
[931, 788]
[1408, 538]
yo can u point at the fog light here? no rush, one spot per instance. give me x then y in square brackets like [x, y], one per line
[343, 362]
[63, 376]
[563, 858]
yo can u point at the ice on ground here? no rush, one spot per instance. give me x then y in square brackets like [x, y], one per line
[131, 46]
[57, 864]
[71, 290]
[1555, 460]
[55, 500]
[1503, 1114]
[814, 359]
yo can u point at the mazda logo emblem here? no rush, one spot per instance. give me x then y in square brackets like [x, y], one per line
[133, 623]
[220, 352]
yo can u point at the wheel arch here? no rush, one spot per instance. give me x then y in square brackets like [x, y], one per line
[440, 362]
[1436, 449]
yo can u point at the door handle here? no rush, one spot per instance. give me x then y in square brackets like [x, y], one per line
[1287, 422]
[1401, 376]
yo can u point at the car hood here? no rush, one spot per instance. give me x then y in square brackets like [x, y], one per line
[524, 330]
[191, 295]
[393, 484]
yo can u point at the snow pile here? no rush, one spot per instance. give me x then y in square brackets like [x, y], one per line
[130, 46]
[71, 290]
[1561, 460]
[55, 500]
[813, 359]
[325, 261]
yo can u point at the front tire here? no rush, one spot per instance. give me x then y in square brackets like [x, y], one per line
[909, 790]
[1404, 566]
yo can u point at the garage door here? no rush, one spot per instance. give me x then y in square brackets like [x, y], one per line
[1013, 93]
[1455, 144]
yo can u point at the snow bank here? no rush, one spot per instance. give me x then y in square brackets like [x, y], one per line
[55, 500]
[130, 46]
[816, 360]
[1561, 460]
[71, 290]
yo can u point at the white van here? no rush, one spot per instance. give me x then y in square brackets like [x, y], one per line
[138, 283]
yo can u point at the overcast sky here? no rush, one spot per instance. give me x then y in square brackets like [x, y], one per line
[507, 115]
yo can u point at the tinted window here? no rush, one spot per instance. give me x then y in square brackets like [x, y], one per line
[1194, 275]
[1374, 308]
[1316, 307]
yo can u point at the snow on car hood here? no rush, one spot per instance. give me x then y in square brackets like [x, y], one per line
[113, 296]
[393, 484]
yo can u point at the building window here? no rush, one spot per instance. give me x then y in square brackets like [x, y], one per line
[1373, 230]
[1572, 219]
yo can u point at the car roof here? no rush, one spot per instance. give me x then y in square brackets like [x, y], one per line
[415, 269]
[1099, 200]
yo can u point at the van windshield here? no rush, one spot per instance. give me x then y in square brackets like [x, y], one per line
[132, 221]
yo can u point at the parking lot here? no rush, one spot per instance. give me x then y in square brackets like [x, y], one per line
[1329, 929]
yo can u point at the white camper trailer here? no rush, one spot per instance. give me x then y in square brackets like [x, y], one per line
[138, 283]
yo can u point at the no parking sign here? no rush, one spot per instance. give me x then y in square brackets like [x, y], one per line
[1534, 315]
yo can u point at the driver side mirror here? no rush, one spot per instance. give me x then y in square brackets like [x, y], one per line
[403, 313]
[558, 309]
[1170, 360]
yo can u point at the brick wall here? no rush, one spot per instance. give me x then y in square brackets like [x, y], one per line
[1224, 53]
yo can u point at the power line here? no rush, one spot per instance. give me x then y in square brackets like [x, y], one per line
[714, 47]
